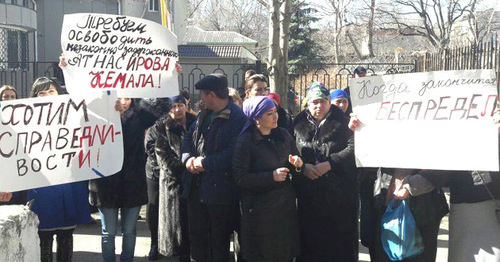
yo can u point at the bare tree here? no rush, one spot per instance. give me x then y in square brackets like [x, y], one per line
[338, 10]
[432, 19]
[370, 29]
[280, 12]
[481, 25]
[247, 17]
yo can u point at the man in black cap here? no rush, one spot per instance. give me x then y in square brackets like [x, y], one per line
[208, 185]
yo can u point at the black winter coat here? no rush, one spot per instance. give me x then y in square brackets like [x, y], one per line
[127, 188]
[269, 222]
[152, 166]
[173, 221]
[328, 206]
[216, 184]
[284, 119]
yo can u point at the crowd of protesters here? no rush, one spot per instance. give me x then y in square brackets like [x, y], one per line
[288, 189]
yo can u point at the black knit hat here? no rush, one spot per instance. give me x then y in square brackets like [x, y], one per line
[212, 82]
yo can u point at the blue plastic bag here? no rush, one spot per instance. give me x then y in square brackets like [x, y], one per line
[400, 236]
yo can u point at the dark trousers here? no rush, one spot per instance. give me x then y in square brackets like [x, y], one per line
[64, 244]
[210, 228]
[152, 210]
[367, 214]
[429, 235]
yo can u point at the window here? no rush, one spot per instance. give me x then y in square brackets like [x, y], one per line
[14, 48]
[25, 3]
[153, 5]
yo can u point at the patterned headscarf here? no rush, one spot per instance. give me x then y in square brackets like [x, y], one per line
[317, 90]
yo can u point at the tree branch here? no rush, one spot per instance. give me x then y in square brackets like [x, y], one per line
[265, 4]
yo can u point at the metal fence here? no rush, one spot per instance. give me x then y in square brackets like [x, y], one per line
[484, 55]
[334, 76]
[24, 74]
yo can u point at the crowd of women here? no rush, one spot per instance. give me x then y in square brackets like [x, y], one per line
[287, 189]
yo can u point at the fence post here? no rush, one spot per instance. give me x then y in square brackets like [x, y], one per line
[258, 66]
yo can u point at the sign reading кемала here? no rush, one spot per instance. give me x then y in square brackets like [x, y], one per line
[58, 139]
[134, 56]
[436, 120]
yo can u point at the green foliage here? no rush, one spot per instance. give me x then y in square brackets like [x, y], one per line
[303, 51]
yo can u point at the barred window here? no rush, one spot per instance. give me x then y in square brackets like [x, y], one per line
[13, 49]
[153, 5]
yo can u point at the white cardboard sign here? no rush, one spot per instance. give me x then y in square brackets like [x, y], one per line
[437, 120]
[134, 56]
[58, 139]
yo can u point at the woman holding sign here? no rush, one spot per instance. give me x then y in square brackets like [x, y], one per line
[125, 191]
[59, 208]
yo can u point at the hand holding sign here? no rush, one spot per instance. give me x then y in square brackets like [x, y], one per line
[5, 196]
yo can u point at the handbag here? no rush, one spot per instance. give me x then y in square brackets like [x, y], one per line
[401, 238]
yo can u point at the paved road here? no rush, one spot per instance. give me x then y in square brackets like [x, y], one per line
[87, 243]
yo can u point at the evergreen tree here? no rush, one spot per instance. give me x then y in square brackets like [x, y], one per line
[303, 50]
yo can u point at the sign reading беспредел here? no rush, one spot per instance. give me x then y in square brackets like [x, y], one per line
[437, 120]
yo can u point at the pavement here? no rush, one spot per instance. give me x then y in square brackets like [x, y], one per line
[87, 242]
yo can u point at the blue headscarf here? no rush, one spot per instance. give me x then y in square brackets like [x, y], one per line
[254, 108]
[338, 93]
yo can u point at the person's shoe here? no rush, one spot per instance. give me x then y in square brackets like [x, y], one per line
[153, 254]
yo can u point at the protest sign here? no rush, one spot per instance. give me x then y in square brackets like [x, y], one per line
[134, 56]
[437, 120]
[58, 139]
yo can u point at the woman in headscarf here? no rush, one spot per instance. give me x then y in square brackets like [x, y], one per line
[173, 235]
[264, 160]
[256, 85]
[340, 99]
[327, 194]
